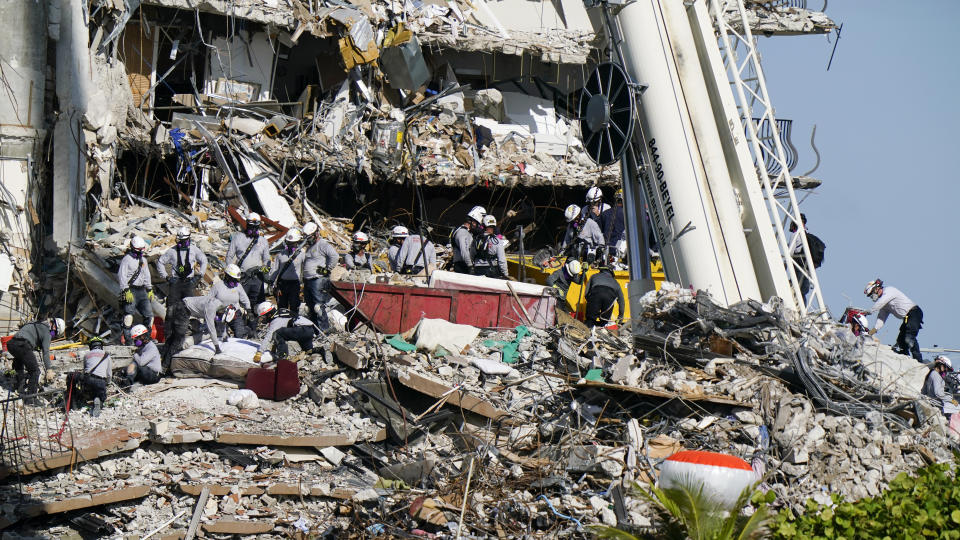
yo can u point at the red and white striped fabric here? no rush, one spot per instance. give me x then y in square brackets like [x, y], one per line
[723, 476]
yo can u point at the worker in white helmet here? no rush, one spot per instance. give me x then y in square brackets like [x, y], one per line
[416, 253]
[146, 365]
[283, 326]
[463, 239]
[287, 271]
[397, 237]
[890, 301]
[249, 250]
[320, 258]
[490, 257]
[934, 386]
[569, 273]
[602, 291]
[187, 265]
[359, 258]
[593, 204]
[134, 278]
[33, 337]
[582, 237]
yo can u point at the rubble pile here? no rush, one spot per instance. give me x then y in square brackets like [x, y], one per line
[516, 432]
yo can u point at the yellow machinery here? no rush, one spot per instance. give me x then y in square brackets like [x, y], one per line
[575, 296]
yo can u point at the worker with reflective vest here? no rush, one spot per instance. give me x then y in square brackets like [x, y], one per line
[571, 272]
[491, 258]
[416, 253]
[286, 272]
[319, 260]
[187, 265]
[250, 251]
[147, 364]
[890, 301]
[582, 237]
[463, 238]
[359, 258]
[91, 383]
[31, 338]
[137, 286]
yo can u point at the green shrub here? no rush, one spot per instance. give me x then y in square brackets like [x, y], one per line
[924, 505]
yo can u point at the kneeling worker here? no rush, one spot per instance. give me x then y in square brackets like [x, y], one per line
[92, 382]
[570, 273]
[146, 364]
[933, 385]
[602, 291]
[281, 328]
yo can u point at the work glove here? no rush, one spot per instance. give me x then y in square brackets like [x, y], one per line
[216, 348]
[128, 296]
[955, 402]
[50, 375]
[872, 332]
[150, 295]
[257, 356]
[265, 270]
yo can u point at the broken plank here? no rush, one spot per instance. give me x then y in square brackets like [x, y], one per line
[197, 513]
[458, 398]
[218, 490]
[285, 440]
[76, 503]
[347, 357]
[233, 526]
[649, 392]
[104, 443]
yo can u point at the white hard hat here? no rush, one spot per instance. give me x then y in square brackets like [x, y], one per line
[594, 195]
[622, 248]
[361, 237]
[476, 214]
[310, 228]
[943, 360]
[137, 331]
[138, 243]
[482, 210]
[59, 326]
[572, 212]
[254, 217]
[574, 267]
[293, 236]
[265, 307]
[489, 221]
[232, 270]
[183, 233]
[400, 232]
[873, 286]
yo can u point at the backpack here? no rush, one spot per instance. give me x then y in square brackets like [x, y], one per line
[817, 249]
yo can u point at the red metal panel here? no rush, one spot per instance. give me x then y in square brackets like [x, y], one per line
[425, 306]
[477, 308]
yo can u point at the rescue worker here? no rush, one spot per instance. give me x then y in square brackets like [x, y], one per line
[491, 259]
[570, 273]
[146, 365]
[890, 301]
[320, 258]
[33, 336]
[601, 293]
[817, 248]
[934, 383]
[463, 238]
[250, 251]
[229, 293]
[583, 235]
[593, 204]
[187, 264]
[282, 327]
[202, 308]
[91, 383]
[137, 295]
[397, 237]
[613, 222]
[286, 271]
[415, 254]
[358, 258]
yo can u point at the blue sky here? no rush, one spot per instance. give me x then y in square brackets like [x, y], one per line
[888, 124]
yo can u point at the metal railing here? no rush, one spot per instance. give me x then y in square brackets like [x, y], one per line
[32, 433]
[765, 132]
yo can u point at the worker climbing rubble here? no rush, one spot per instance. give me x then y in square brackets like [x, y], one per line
[582, 236]
[490, 255]
[359, 258]
[397, 236]
[415, 254]
[187, 264]
[137, 294]
[320, 258]
[250, 251]
[890, 301]
[281, 327]
[90, 384]
[602, 292]
[287, 270]
[463, 238]
[147, 364]
[33, 337]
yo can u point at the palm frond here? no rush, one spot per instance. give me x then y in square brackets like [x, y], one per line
[606, 531]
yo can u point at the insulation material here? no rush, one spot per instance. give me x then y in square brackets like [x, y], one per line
[274, 205]
[433, 333]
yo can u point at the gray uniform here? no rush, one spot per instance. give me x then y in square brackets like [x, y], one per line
[412, 255]
[258, 257]
[128, 267]
[933, 388]
[292, 272]
[590, 232]
[491, 254]
[189, 258]
[149, 357]
[392, 257]
[227, 296]
[278, 323]
[205, 309]
[91, 361]
[462, 245]
[319, 260]
[358, 260]
[37, 335]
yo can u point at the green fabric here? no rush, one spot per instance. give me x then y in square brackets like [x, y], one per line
[595, 375]
[398, 343]
[509, 347]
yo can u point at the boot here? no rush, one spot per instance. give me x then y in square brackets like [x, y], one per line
[95, 411]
